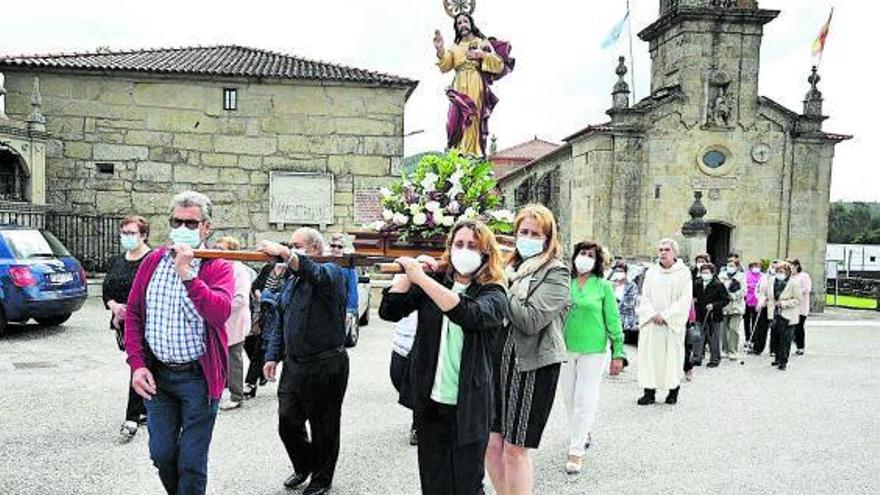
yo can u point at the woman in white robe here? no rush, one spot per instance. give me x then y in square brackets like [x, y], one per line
[663, 312]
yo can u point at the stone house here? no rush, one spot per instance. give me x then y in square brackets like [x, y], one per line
[275, 140]
[764, 171]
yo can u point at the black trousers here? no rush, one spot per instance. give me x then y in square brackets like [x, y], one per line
[799, 336]
[312, 392]
[398, 368]
[135, 407]
[445, 467]
[774, 336]
[759, 340]
[750, 320]
[785, 334]
[253, 346]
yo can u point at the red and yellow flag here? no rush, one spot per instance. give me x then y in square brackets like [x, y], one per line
[819, 43]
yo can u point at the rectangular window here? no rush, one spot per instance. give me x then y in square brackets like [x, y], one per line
[104, 168]
[656, 192]
[230, 99]
[873, 259]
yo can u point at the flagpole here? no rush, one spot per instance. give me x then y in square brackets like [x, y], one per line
[632, 65]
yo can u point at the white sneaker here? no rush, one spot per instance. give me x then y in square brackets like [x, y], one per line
[574, 464]
[127, 431]
[228, 405]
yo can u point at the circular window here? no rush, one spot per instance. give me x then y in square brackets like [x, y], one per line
[714, 159]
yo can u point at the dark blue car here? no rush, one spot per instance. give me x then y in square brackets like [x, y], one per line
[39, 278]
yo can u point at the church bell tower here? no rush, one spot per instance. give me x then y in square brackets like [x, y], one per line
[708, 51]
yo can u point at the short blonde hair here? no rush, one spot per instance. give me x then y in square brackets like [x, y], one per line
[229, 243]
[548, 225]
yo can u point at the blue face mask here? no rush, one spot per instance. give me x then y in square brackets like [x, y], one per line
[183, 235]
[529, 247]
[129, 242]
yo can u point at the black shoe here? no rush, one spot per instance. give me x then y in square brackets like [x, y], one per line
[312, 489]
[800, 352]
[250, 391]
[589, 441]
[774, 363]
[413, 437]
[296, 479]
[672, 398]
[698, 363]
[712, 364]
[142, 420]
[781, 367]
[648, 398]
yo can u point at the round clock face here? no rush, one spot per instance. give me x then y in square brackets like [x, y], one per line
[761, 153]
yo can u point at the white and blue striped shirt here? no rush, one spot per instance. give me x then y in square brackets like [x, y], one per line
[174, 329]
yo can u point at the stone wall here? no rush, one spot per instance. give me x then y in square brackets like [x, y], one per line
[166, 135]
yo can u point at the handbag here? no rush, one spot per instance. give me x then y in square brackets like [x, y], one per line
[693, 335]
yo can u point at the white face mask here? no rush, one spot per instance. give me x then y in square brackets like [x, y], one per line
[731, 269]
[756, 270]
[618, 276]
[781, 277]
[707, 277]
[466, 261]
[584, 264]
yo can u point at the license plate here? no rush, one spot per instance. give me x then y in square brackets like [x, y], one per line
[60, 278]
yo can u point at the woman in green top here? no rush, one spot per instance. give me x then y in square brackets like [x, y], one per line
[592, 322]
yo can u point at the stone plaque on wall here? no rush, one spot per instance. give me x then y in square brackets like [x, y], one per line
[298, 198]
[706, 182]
[367, 208]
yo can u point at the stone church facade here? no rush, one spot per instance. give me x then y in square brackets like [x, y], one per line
[122, 132]
[764, 170]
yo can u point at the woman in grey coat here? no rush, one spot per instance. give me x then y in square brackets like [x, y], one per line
[529, 354]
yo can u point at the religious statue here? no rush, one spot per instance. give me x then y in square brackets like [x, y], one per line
[478, 61]
[721, 110]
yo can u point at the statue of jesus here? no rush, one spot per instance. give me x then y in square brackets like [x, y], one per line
[477, 61]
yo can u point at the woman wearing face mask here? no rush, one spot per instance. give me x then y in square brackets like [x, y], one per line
[710, 298]
[731, 325]
[448, 384]
[627, 295]
[806, 285]
[591, 325]
[133, 234]
[750, 317]
[529, 355]
[759, 336]
[783, 307]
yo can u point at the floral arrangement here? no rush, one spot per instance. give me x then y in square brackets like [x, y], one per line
[440, 191]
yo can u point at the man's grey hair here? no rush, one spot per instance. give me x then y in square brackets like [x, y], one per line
[188, 199]
[313, 237]
[669, 242]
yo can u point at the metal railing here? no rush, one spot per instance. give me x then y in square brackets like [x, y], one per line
[91, 239]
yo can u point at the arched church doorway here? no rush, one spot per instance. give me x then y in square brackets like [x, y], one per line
[13, 176]
[718, 243]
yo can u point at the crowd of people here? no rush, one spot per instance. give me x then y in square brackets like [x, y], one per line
[483, 340]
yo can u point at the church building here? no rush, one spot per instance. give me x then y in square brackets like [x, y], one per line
[763, 170]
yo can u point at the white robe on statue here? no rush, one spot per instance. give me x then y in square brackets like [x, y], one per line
[667, 292]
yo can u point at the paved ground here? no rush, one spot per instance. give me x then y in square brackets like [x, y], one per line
[738, 429]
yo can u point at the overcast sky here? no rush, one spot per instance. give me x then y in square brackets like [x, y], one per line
[562, 80]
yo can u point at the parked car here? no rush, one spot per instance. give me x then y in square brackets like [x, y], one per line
[353, 330]
[39, 278]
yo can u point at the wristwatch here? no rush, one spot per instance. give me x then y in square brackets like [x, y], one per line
[189, 275]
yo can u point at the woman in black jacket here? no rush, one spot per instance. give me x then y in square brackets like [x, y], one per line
[710, 297]
[448, 383]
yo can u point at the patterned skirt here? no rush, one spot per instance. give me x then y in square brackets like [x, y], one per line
[523, 400]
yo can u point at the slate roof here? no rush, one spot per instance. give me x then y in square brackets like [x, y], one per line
[528, 150]
[219, 60]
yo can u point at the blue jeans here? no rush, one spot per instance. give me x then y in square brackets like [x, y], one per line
[180, 418]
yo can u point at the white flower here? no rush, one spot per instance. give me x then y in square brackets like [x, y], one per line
[400, 219]
[456, 176]
[377, 225]
[429, 181]
[387, 215]
[448, 221]
[432, 206]
[470, 213]
[385, 192]
[453, 207]
[415, 208]
[502, 215]
[454, 191]
[420, 219]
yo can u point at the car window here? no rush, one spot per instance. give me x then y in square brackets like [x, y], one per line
[33, 244]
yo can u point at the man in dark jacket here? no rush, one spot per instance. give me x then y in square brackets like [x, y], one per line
[710, 297]
[311, 342]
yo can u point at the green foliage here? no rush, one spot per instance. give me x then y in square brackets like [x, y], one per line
[854, 223]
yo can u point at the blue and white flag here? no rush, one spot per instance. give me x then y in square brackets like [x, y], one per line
[613, 36]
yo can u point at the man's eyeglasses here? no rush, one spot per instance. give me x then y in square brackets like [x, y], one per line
[336, 246]
[190, 224]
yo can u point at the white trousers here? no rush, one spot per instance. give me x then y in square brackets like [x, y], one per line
[581, 378]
